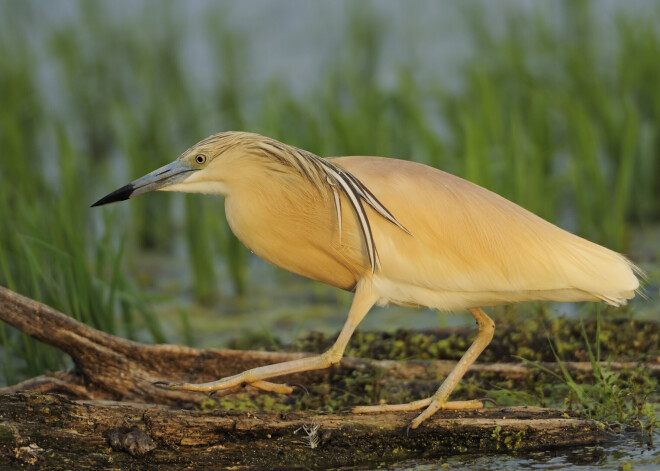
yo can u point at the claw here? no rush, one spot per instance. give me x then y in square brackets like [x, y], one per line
[167, 385]
[488, 399]
[226, 392]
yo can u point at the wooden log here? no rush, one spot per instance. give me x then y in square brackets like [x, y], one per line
[109, 367]
[55, 432]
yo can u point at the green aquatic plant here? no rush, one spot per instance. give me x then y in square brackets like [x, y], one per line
[614, 397]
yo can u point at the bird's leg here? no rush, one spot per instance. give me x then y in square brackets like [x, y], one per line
[363, 301]
[439, 399]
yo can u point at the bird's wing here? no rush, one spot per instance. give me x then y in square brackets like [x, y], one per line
[468, 239]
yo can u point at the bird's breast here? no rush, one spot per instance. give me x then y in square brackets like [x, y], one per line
[296, 228]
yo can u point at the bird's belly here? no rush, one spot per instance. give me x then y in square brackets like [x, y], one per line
[406, 294]
[402, 293]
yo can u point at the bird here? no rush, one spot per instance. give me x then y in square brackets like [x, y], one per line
[392, 232]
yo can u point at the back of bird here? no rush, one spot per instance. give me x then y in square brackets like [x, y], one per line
[476, 248]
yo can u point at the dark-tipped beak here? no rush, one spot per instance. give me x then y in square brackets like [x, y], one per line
[121, 194]
[171, 173]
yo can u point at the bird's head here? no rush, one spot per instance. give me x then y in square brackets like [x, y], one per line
[204, 168]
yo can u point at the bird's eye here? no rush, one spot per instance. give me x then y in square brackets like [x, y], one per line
[200, 159]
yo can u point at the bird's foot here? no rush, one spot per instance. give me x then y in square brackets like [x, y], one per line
[226, 386]
[432, 406]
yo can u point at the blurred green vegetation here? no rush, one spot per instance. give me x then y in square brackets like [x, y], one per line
[543, 115]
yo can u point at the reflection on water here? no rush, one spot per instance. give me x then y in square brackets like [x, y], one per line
[627, 454]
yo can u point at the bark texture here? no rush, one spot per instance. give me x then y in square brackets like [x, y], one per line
[54, 432]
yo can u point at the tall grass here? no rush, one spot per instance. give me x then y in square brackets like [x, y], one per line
[541, 116]
[50, 253]
[49, 249]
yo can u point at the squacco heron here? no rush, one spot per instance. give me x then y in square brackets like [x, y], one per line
[391, 231]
